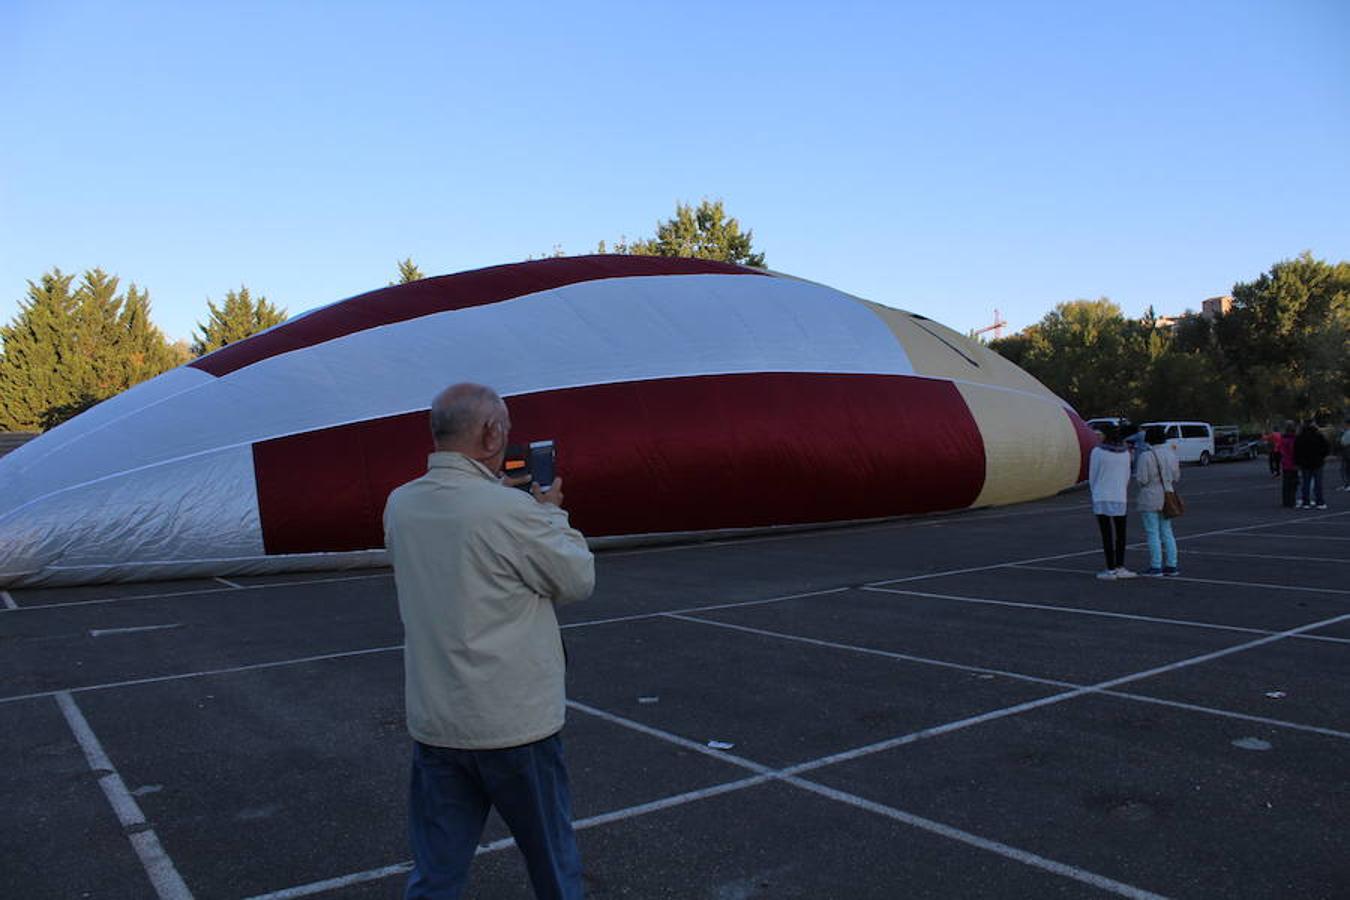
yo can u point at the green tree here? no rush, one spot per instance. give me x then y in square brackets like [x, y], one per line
[69, 349]
[38, 357]
[235, 319]
[1283, 351]
[1087, 352]
[145, 351]
[115, 335]
[182, 352]
[408, 272]
[705, 232]
[1287, 339]
[556, 253]
[1185, 385]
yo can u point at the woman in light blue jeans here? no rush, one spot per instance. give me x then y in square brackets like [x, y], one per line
[1158, 472]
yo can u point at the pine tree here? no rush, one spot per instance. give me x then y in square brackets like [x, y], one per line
[38, 349]
[407, 272]
[146, 352]
[67, 350]
[96, 335]
[235, 319]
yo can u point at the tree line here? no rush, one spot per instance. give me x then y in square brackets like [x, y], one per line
[75, 343]
[1281, 352]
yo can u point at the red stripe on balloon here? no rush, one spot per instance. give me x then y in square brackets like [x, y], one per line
[685, 454]
[445, 293]
[1087, 439]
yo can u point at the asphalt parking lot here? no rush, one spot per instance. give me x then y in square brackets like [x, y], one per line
[941, 707]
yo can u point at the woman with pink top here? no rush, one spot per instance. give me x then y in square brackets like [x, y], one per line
[1289, 487]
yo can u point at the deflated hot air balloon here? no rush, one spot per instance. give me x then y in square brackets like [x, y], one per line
[683, 396]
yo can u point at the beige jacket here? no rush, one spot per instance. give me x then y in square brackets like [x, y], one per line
[1157, 470]
[479, 568]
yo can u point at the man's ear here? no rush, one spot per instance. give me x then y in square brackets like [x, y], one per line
[489, 444]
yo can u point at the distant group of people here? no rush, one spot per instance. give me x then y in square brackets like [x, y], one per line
[1148, 460]
[1299, 456]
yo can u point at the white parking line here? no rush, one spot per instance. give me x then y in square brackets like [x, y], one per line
[1325, 559]
[202, 591]
[229, 670]
[1250, 584]
[1228, 714]
[1219, 654]
[618, 815]
[1295, 537]
[1102, 686]
[1026, 563]
[816, 530]
[100, 632]
[7, 601]
[1306, 519]
[968, 570]
[168, 884]
[1107, 614]
[1075, 689]
[228, 583]
[790, 773]
[873, 651]
[636, 617]
[789, 776]
[333, 884]
[1101, 882]
[225, 670]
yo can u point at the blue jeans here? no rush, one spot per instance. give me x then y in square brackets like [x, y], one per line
[1311, 486]
[449, 797]
[1158, 533]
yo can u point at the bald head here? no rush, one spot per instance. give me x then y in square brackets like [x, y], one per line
[470, 419]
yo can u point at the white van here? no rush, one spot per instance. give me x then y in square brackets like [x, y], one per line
[1190, 441]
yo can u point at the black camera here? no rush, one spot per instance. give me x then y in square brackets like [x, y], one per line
[537, 460]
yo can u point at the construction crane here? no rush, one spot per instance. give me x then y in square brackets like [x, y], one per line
[996, 328]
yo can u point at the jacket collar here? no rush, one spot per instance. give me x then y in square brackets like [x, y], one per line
[458, 462]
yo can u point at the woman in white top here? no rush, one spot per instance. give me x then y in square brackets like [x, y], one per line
[1158, 471]
[1109, 478]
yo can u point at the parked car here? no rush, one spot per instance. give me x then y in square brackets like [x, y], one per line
[1230, 443]
[1119, 421]
[1190, 441]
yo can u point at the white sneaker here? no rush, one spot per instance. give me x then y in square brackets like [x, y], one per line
[1321, 506]
[1123, 572]
[1106, 575]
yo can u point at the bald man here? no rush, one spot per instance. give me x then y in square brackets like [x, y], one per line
[479, 568]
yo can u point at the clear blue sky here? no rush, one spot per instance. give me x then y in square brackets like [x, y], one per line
[947, 158]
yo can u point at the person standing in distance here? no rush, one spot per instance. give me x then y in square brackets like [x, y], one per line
[1289, 470]
[1159, 471]
[1109, 479]
[1345, 456]
[479, 568]
[1310, 454]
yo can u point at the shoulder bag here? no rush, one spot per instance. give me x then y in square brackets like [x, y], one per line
[1173, 505]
